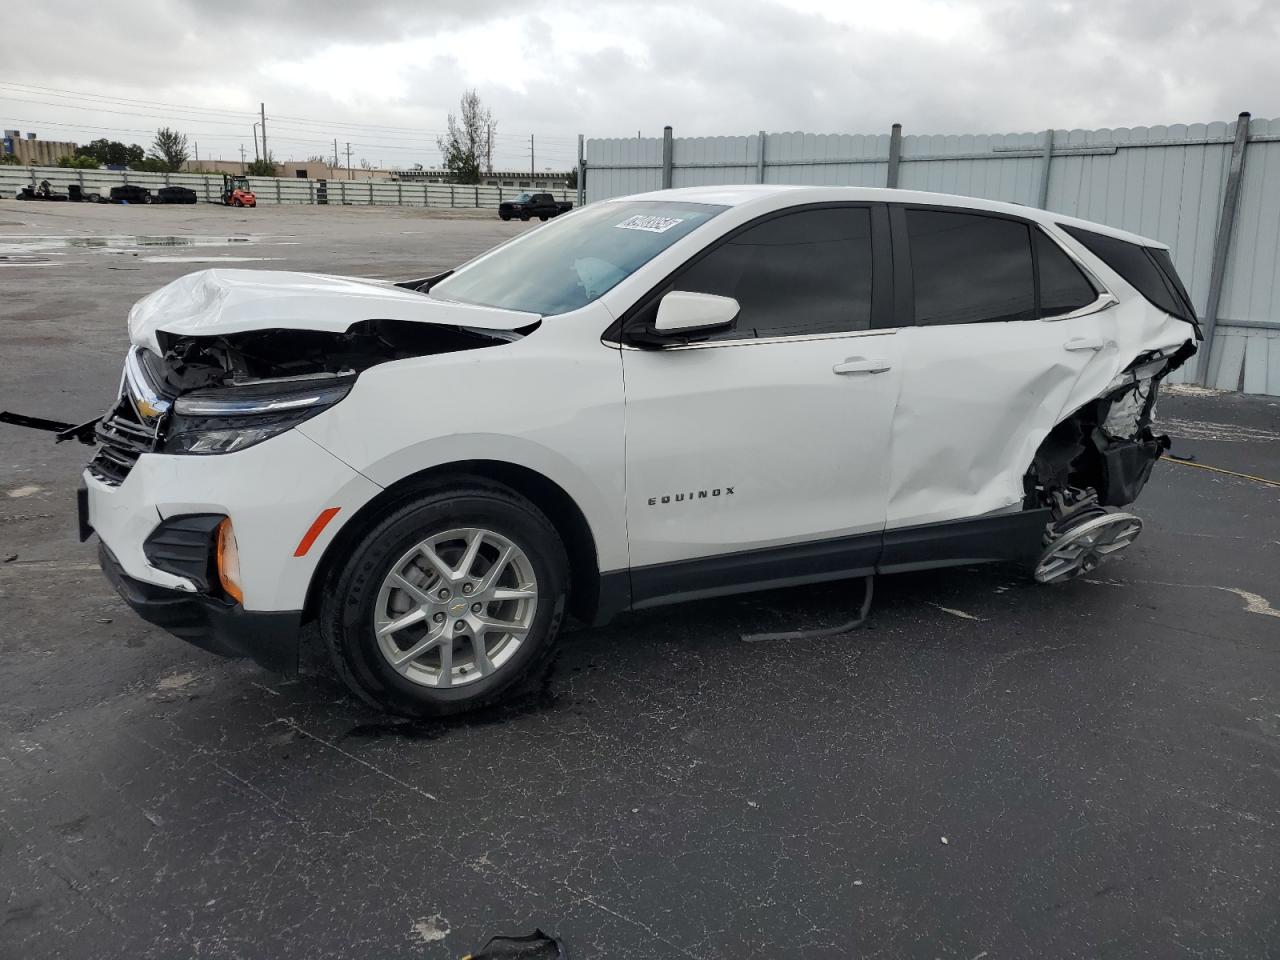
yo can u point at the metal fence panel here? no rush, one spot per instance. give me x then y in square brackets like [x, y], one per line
[1165, 182]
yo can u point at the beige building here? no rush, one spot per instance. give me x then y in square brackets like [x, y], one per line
[301, 169]
[32, 151]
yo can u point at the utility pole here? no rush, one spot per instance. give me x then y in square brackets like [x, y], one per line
[488, 148]
[255, 143]
[263, 108]
[348, 159]
[197, 145]
[531, 163]
[242, 156]
[334, 168]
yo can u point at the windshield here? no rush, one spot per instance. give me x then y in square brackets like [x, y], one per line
[522, 198]
[575, 259]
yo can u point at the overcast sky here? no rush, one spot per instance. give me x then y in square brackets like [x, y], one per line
[384, 75]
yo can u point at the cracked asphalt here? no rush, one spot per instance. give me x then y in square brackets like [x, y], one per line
[1102, 758]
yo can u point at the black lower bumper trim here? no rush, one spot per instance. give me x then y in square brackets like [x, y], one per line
[268, 638]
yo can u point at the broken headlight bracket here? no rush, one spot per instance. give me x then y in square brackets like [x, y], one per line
[62, 430]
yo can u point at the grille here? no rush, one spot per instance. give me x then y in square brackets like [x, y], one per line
[123, 437]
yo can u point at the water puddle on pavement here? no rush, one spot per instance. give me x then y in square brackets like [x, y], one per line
[28, 250]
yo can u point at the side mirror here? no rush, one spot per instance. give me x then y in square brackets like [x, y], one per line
[680, 312]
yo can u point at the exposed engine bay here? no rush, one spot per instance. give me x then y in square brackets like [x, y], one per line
[221, 393]
[192, 363]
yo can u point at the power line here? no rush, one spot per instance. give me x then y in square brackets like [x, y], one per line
[191, 108]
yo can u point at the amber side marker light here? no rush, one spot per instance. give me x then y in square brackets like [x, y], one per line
[314, 531]
[228, 557]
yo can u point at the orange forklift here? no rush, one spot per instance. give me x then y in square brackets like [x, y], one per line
[236, 192]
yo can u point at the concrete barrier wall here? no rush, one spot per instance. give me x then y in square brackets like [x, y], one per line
[271, 189]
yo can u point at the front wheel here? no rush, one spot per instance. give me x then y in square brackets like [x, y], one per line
[448, 603]
[236, 202]
[505, 216]
[524, 216]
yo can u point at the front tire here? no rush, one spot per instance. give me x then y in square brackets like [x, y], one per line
[448, 603]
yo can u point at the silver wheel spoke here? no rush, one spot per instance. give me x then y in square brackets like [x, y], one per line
[417, 650]
[515, 629]
[446, 664]
[429, 554]
[490, 578]
[481, 655]
[473, 550]
[408, 620]
[514, 593]
[417, 593]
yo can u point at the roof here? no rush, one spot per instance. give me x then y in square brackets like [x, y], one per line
[769, 196]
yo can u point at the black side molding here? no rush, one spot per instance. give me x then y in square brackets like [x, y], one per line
[1006, 536]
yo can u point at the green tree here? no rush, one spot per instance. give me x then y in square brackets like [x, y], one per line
[78, 162]
[263, 168]
[571, 181]
[170, 148]
[9, 160]
[151, 165]
[463, 149]
[112, 152]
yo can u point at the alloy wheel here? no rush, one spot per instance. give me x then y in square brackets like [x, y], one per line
[455, 607]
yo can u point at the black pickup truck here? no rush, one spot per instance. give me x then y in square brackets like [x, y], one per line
[526, 205]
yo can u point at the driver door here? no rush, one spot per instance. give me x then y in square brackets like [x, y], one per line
[758, 456]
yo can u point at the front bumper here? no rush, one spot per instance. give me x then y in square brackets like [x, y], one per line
[272, 492]
[269, 638]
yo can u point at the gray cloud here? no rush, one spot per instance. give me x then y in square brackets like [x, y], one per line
[727, 66]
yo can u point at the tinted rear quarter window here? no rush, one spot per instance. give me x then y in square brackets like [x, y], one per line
[1147, 269]
[807, 272]
[970, 268]
[1063, 286]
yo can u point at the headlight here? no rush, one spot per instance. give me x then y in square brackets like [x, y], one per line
[232, 418]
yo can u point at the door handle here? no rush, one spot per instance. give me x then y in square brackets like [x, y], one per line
[861, 365]
[1085, 343]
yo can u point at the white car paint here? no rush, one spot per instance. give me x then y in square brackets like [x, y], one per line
[221, 302]
[923, 425]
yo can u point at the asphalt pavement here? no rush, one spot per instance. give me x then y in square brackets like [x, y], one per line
[990, 769]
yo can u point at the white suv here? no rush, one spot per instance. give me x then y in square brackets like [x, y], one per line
[652, 399]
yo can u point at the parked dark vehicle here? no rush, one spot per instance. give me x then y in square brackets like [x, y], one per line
[526, 205]
[42, 192]
[176, 195]
[131, 193]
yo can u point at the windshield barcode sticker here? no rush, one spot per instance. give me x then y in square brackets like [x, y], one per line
[650, 224]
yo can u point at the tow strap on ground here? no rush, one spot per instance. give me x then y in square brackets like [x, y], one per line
[1223, 470]
[868, 585]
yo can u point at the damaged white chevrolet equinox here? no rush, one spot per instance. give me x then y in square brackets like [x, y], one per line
[656, 398]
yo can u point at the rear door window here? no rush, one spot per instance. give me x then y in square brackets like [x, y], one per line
[970, 268]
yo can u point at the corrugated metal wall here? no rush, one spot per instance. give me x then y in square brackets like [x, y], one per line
[1165, 182]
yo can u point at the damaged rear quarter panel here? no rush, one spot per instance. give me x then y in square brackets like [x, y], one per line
[977, 401]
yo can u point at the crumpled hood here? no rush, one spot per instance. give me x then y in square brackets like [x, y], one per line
[216, 302]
